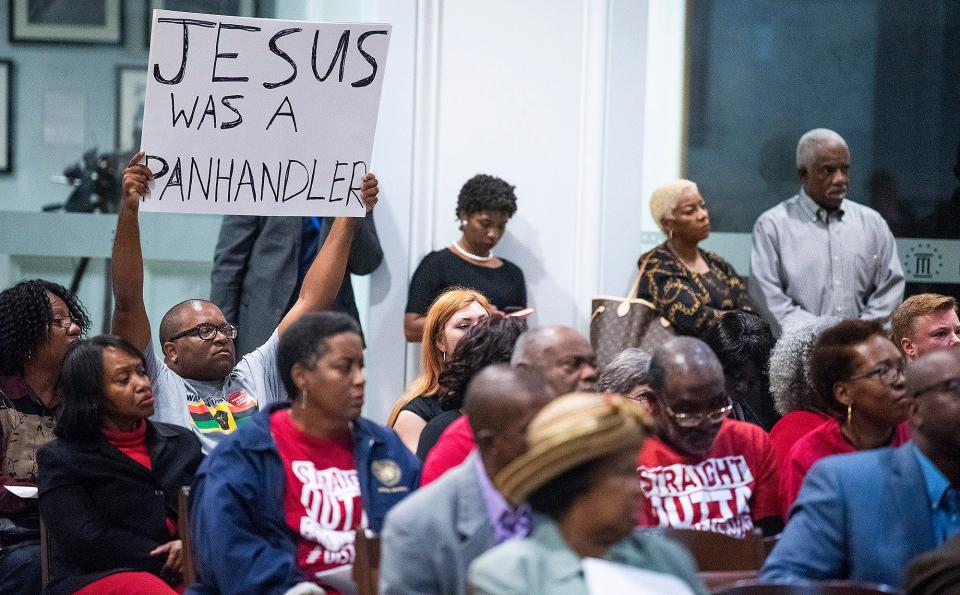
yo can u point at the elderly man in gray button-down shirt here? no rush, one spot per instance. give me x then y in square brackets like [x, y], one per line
[819, 254]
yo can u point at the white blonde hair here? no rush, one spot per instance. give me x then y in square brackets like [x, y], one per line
[664, 200]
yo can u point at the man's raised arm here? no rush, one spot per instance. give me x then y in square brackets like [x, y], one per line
[322, 282]
[129, 314]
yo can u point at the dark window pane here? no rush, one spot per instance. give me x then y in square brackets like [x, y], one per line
[882, 73]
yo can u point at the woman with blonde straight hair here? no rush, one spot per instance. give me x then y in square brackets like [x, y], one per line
[451, 315]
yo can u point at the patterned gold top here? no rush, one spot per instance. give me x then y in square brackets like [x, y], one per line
[691, 301]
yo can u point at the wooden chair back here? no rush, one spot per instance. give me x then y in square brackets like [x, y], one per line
[715, 552]
[757, 587]
[366, 563]
[183, 528]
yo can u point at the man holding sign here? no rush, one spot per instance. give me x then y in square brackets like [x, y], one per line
[244, 117]
[195, 382]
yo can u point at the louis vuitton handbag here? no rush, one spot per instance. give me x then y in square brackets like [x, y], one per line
[620, 322]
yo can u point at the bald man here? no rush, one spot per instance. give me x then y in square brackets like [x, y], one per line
[703, 471]
[864, 516]
[430, 538]
[819, 253]
[196, 382]
[558, 353]
[561, 355]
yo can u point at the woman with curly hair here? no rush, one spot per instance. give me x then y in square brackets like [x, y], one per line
[490, 342]
[484, 206]
[451, 315]
[39, 322]
[793, 395]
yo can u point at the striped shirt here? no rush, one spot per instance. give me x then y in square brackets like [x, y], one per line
[811, 261]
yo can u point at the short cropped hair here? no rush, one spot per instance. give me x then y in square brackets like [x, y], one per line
[914, 307]
[664, 200]
[627, 370]
[171, 322]
[834, 358]
[811, 141]
[82, 384]
[486, 193]
[527, 346]
[305, 341]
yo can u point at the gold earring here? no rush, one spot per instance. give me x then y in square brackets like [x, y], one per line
[670, 235]
[443, 356]
[849, 413]
[303, 398]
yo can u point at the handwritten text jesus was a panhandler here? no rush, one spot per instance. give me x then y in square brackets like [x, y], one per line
[260, 116]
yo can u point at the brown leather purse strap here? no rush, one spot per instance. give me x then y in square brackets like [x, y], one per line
[635, 286]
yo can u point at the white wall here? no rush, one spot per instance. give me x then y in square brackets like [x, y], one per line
[509, 105]
[394, 154]
[547, 94]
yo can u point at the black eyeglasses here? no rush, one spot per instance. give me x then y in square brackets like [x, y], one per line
[888, 374]
[692, 420]
[951, 385]
[63, 323]
[207, 331]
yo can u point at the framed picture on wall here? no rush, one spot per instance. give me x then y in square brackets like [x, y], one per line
[131, 90]
[233, 8]
[67, 21]
[6, 116]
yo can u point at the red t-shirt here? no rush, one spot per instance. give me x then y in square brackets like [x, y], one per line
[724, 490]
[452, 448]
[792, 427]
[321, 502]
[823, 441]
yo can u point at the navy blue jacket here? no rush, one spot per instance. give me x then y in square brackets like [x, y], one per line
[241, 541]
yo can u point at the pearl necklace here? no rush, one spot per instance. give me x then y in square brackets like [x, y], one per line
[472, 256]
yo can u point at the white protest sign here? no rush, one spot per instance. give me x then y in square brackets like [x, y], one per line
[250, 116]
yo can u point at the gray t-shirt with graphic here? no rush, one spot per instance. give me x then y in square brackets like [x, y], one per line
[213, 410]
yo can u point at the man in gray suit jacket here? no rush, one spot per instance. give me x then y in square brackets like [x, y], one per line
[258, 267]
[431, 537]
